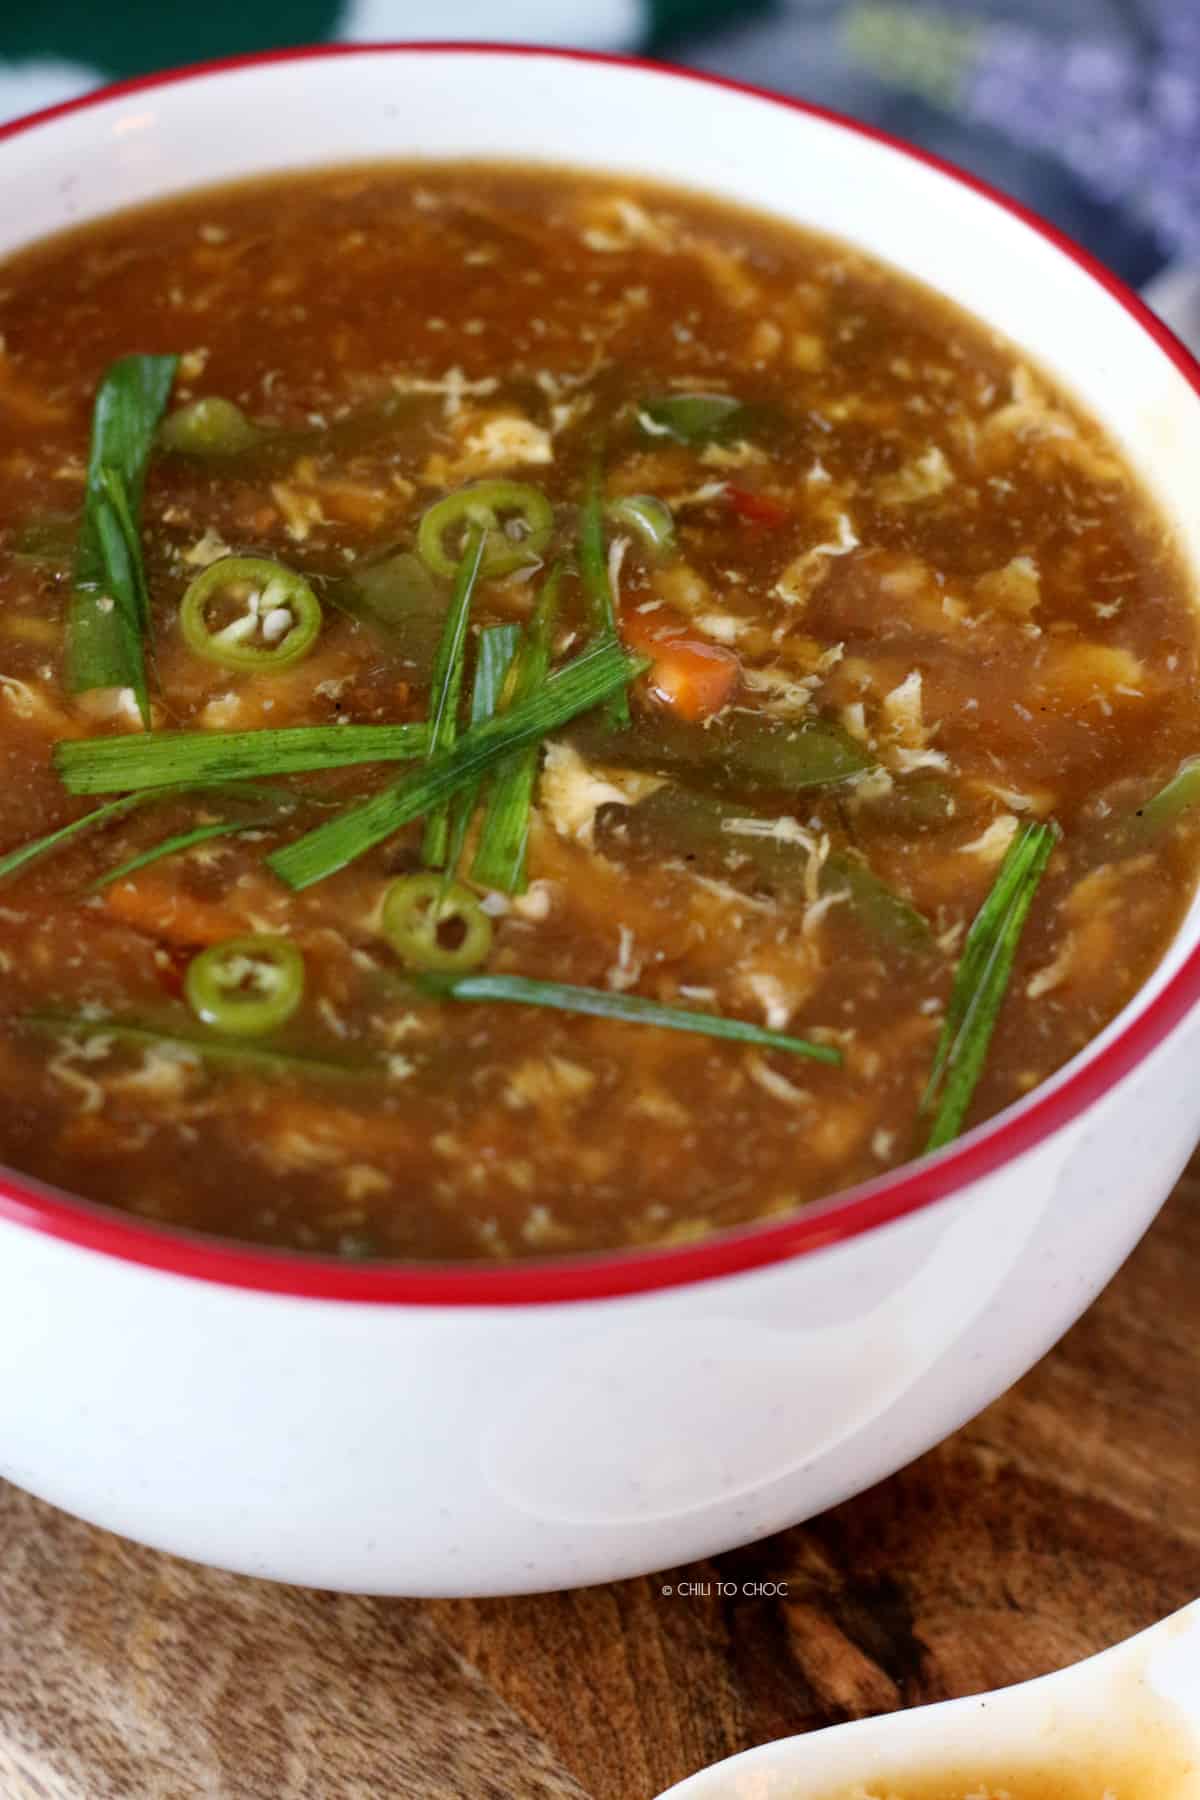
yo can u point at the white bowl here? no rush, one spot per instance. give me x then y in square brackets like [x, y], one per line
[475, 1430]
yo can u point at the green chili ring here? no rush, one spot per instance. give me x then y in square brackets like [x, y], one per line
[246, 986]
[271, 589]
[482, 503]
[210, 426]
[415, 910]
[647, 515]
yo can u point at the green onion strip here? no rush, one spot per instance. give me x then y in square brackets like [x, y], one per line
[981, 981]
[446, 685]
[500, 859]
[601, 1003]
[580, 685]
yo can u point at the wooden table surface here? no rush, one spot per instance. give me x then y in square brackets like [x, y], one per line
[1064, 1518]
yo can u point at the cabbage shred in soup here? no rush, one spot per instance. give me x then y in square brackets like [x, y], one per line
[553, 714]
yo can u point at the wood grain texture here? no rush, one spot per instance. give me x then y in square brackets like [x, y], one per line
[1064, 1518]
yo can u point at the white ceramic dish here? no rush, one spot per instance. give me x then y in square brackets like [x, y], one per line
[1126, 1722]
[450, 1431]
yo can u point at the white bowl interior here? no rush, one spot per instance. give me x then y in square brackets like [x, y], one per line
[545, 107]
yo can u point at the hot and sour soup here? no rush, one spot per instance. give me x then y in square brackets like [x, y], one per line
[653, 716]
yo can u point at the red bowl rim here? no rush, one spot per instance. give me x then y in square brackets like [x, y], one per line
[27, 1202]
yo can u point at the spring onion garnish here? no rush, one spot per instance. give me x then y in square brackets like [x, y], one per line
[276, 616]
[1164, 807]
[210, 426]
[570, 690]
[980, 982]
[108, 621]
[690, 418]
[600, 1003]
[246, 986]
[115, 809]
[446, 685]
[497, 647]
[648, 517]
[206, 1048]
[116, 765]
[500, 860]
[593, 567]
[516, 520]
[434, 925]
[199, 834]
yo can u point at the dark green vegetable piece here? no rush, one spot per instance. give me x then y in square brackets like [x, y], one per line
[401, 599]
[108, 623]
[500, 860]
[981, 981]
[736, 752]
[678, 821]
[601, 1003]
[1163, 808]
[919, 803]
[880, 908]
[113, 765]
[691, 418]
[581, 684]
[210, 426]
[446, 685]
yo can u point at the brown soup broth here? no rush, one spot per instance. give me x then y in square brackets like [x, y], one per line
[903, 534]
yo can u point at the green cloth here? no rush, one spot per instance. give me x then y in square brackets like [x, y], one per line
[138, 36]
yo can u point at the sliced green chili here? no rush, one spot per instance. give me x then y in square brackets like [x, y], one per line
[690, 418]
[246, 986]
[432, 925]
[648, 517]
[516, 519]
[280, 623]
[211, 426]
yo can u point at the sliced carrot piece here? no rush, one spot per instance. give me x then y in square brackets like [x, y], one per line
[162, 911]
[693, 678]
